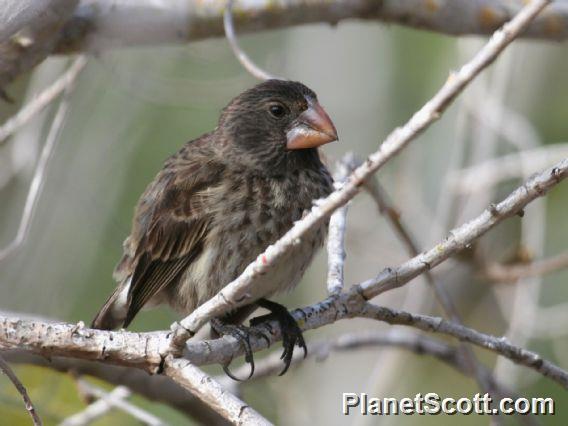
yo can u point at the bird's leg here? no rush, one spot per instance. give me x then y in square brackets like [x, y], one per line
[231, 325]
[291, 332]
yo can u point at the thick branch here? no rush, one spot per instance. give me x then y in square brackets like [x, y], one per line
[109, 23]
[34, 29]
[212, 393]
[29, 30]
[42, 100]
[13, 335]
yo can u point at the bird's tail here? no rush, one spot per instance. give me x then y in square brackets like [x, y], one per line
[113, 313]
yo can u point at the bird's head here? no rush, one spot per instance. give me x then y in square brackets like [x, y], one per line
[276, 124]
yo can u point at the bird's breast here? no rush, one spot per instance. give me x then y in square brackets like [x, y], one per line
[250, 214]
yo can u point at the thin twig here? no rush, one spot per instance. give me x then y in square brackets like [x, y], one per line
[117, 398]
[42, 100]
[243, 58]
[336, 236]
[512, 273]
[499, 345]
[36, 184]
[483, 378]
[462, 237]
[97, 409]
[153, 387]
[5, 368]
[237, 293]
[510, 166]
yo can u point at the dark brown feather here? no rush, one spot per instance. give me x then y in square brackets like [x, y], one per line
[216, 204]
[172, 222]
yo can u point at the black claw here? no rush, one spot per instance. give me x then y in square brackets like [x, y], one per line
[291, 332]
[242, 334]
[235, 378]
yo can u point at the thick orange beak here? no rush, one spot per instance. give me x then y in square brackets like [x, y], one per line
[313, 128]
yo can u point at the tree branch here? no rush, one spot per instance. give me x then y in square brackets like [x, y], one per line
[68, 26]
[5, 368]
[25, 335]
[98, 408]
[64, 84]
[152, 387]
[498, 345]
[512, 273]
[42, 100]
[211, 392]
[336, 236]
[461, 237]
[108, 23]
[239, 53]
[29, 31]
[393, 216]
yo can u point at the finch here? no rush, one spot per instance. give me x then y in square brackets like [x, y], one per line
[219, 202]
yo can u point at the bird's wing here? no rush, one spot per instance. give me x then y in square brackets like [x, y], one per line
[171, 224]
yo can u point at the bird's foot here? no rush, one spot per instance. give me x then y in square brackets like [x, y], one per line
[242, 334]
[291, 332]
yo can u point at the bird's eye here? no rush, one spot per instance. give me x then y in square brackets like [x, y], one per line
[277, 110]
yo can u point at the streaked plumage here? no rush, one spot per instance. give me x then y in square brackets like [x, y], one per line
[220, 201]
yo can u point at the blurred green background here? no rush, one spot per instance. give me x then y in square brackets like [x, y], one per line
[132, 108]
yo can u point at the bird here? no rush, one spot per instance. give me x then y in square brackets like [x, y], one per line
[218, 203]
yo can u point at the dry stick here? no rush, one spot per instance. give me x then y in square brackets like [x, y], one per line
[117, 398]
[97, 409]
[484, 380]
[36, 185]
[156, 387]
[141, 350]
[42, 100]
[107, 24]
[29, 31]
[461, 237]
[243, 58]
[336, 237]
[211, 392]
[237, 293]
[496, 344]
[510, 166]
[512, 273]
[5, 368]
